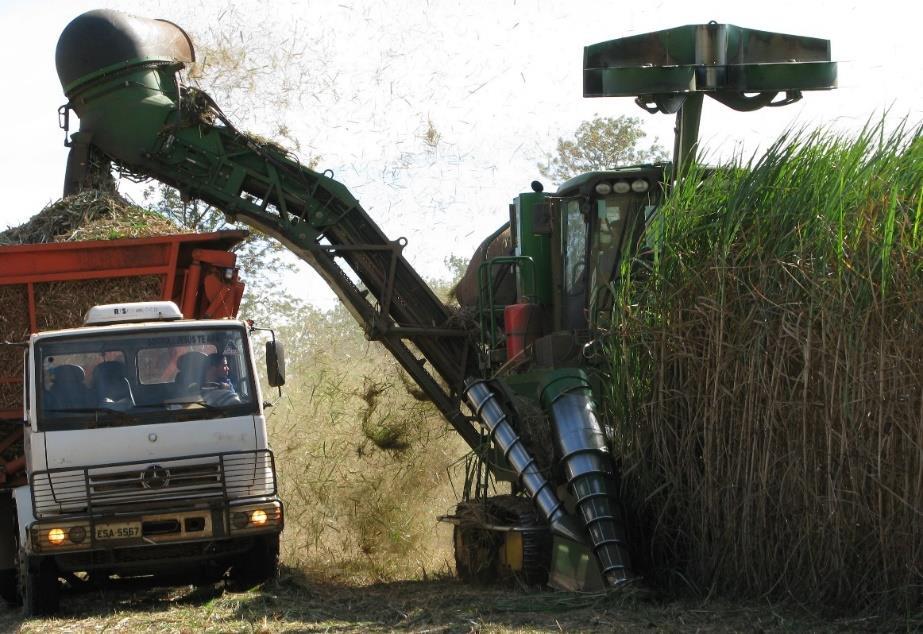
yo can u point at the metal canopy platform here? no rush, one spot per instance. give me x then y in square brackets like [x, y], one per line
[670, 71]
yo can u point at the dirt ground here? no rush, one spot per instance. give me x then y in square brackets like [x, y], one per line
[296, 603]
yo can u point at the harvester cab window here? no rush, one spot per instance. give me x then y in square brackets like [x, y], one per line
[574, 251]
[605, 249]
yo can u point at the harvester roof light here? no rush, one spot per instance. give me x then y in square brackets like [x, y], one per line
[132, 311]
[603, 189]
[639, 186]
[621, 187]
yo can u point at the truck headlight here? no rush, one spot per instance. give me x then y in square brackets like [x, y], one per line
[59, 537]
[77, 534]
[239, 520]
[256, 517]
[56, 536]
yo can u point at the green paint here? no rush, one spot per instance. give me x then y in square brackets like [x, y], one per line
[535, 245]
[574, 567]
[561, 382]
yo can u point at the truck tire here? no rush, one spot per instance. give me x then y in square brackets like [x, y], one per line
[39, 586]
[9, 587]
[210, 574]
[257, 565]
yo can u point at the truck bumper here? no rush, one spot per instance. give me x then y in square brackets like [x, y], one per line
[157, 538]
[141, 560]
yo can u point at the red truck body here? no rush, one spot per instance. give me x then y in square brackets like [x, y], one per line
[197, 271]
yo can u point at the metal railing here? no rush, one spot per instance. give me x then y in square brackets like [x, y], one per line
[488, 311]
[184, 480]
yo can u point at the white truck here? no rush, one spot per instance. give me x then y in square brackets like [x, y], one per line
[146, 453]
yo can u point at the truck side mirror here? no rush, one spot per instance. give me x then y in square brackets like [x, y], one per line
[275, 363]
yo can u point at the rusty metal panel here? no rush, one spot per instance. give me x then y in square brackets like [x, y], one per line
[106, 258]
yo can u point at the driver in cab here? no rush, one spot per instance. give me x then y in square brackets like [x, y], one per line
[217, 387]
[218, 373]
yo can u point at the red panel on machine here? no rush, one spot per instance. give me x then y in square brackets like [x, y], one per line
[523, 325]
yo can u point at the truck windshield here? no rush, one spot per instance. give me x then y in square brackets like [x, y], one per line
[154, 376]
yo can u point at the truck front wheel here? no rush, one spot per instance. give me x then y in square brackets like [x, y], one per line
[39, 586]
[259, 564]
[9, 587]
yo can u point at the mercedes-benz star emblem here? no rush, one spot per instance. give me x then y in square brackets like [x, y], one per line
[155, 477]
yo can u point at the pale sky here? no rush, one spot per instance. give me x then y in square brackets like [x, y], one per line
[500, 81]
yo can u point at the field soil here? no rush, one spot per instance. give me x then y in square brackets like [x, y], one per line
[296, 603]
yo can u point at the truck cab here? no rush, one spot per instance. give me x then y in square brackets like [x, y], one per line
[146, 451]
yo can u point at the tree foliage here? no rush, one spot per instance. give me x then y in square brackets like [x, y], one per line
[601, 143]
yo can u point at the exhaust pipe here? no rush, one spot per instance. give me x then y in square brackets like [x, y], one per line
[487, 408]
[588, 467]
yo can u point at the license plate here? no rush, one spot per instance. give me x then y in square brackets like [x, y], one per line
[118, 530]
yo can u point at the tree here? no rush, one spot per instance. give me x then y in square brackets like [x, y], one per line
[601, 143]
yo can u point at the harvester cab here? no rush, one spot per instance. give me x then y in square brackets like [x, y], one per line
[566, 256]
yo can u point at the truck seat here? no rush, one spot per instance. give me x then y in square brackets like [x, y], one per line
[68, 390]
[110, 381]
[191, 368]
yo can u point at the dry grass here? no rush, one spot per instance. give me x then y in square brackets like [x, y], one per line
[769, 377]
[14, 327]
[10, 395]
[64, 304]
[380, 425]
[363, 470]
[300, 603]
[89, 215]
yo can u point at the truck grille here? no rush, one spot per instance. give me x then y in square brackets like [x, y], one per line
[234, 476]
[197, 477]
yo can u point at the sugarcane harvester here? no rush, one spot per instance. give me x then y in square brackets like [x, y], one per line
[522, 387]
